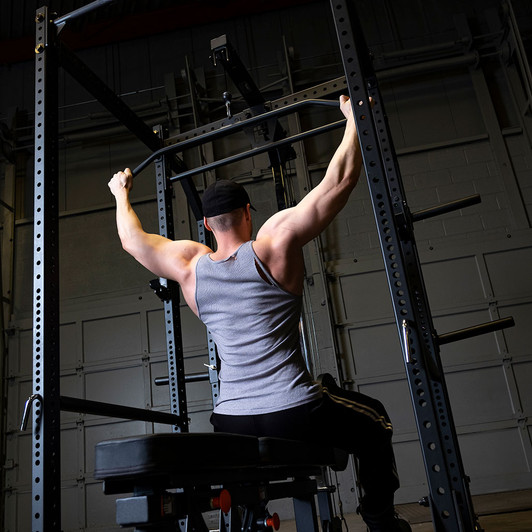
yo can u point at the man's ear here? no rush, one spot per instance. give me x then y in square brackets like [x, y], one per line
[206, 224]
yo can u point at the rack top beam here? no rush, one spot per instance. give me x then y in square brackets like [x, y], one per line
[61, 21]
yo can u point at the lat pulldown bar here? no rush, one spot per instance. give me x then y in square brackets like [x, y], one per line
[215, 134]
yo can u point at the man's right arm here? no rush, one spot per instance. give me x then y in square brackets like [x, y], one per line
[163, 257]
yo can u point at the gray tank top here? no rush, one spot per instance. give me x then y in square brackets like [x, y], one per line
[255, 324]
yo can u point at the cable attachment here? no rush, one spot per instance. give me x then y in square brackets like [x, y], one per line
[27, 408]
[227, 96]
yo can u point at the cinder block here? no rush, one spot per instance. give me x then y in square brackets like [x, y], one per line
[463, 225]
[490, 185]
[422, 198]
[414, 164]
[447, 158]
[470, 172]
[434, 178]
[429, 229]
[475, 153]
[455, 191]
[497, 219]
[520, 163]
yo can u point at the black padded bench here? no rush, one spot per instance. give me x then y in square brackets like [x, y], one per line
[176, 477]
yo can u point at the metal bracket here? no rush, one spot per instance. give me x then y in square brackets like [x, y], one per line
[160, 290]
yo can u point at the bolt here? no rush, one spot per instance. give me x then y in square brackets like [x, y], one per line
[39, 49]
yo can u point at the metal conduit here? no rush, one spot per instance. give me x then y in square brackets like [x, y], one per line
[420, 50]
[466, 60]
[61, 21]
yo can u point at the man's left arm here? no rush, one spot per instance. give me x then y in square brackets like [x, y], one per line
[300, 224]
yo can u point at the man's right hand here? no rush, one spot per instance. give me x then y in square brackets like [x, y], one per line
[345, 106]
[121, 182]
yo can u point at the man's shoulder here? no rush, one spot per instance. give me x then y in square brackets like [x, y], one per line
[190, 249]
[184, 255]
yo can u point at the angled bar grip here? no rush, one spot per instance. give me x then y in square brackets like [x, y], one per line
[259, 149]
[237, 126]
[446, 207]
[476, 330]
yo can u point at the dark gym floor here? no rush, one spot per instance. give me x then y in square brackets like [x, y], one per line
[498, 512]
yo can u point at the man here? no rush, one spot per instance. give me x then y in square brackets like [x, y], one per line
[248, 293]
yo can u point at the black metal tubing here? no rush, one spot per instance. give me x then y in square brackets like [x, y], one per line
[258, 150]
[475, 330]
[233, 128]
[97, 408]
[59, 22]
[95, 86]
[115, 105]
[191, 377]
[172, 316]
[46, 462]
[224, 54]
[46, 456]
[450, 500]
[445, 208]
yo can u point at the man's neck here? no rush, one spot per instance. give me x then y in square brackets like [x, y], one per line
[227, 245]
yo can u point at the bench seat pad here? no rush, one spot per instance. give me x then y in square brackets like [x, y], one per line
[154, 454]
[202, 455]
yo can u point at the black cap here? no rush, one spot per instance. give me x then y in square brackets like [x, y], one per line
[223, 196]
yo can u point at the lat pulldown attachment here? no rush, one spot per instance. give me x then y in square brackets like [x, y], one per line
[266, 132]
[239, 126]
